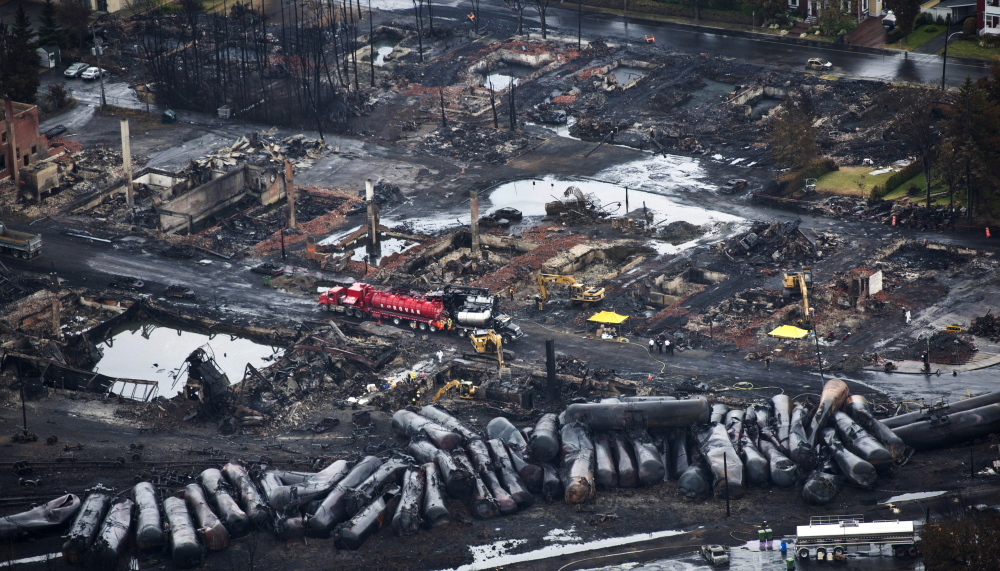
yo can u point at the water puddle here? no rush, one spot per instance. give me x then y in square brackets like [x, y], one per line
[651, 182]
[560, 130]
[389, 246]
[503, 77]
[499, 81]
[912, 496]
[497, 554]
[625, 75]
[711, 93]
[145, 351]
[383, 49]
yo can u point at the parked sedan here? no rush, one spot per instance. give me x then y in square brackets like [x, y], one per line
[93, 73]
[76, 69]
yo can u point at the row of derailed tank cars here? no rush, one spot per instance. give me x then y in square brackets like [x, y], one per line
[617, 442]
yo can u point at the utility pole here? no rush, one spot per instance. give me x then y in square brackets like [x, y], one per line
[98, 51]
[579, 22]
[371, 40]
[944, 56]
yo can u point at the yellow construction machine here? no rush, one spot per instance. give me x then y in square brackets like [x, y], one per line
[466, 390]
[488, 341]
[578, 293]
[797, 284]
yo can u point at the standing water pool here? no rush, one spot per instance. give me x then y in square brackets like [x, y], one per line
[146, 351]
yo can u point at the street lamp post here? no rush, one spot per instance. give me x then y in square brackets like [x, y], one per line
[944, 57]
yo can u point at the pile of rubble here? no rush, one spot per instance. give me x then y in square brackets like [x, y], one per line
[986, 326]
[475, 142]
[944, 348]
[264, 149]
[770, 243]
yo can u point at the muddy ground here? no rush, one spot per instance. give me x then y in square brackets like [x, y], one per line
[721, 302]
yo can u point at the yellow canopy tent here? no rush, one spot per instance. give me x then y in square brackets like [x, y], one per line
[609, 318]
[789, 332]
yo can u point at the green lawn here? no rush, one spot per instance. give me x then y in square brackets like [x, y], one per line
[939, 192]
[960, 47]
[920, 36]
[845, 181]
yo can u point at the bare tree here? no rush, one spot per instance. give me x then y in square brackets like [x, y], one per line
[475, 16]
[518, 6]
[418, 9]
[542, 6]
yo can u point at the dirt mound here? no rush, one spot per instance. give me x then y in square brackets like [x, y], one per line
[680, 232]
[945, 348]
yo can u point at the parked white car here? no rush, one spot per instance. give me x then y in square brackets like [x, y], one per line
[818, 64]
[93, 73]
[76, 69]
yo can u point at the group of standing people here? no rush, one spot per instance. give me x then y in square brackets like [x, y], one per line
[660, 343]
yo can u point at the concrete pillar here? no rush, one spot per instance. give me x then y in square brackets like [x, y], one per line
[290, 193]
[13, 166]
[127, 161]
[474, 207]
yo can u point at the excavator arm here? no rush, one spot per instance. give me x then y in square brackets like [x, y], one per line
[578, 293]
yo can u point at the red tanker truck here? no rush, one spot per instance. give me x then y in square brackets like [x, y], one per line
[458, 309]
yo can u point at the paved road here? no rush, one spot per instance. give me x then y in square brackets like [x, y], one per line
[764, 49]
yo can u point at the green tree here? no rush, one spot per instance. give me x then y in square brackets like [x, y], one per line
[792, 137]
[18, 60]
[906, 12]
[74, 17]
[48, 25]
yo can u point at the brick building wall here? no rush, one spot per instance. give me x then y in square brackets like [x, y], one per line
[31, 146]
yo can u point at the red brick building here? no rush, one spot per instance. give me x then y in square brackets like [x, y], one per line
[29, 146]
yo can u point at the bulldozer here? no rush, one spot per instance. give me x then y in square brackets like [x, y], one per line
[466, 390]
[578, 293]
[797, 284]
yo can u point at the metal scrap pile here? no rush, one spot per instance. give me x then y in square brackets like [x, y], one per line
[264, 149]
[771, 243]
[986, 326]
[324, 362]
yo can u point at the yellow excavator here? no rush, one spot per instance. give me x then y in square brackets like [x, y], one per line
[578, 293]
[466, 390]
[797, 284]
[488, 341]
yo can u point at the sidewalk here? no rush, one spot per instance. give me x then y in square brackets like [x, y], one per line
[982, 360]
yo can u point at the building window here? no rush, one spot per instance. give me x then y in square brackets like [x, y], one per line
[864, 6]
[992, 22]
[793, 3]
[34, 149]
[3, 136]
[3, 161]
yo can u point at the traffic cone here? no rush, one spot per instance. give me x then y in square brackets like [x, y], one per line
[893, 220]
[987, 231]
[649, 378]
